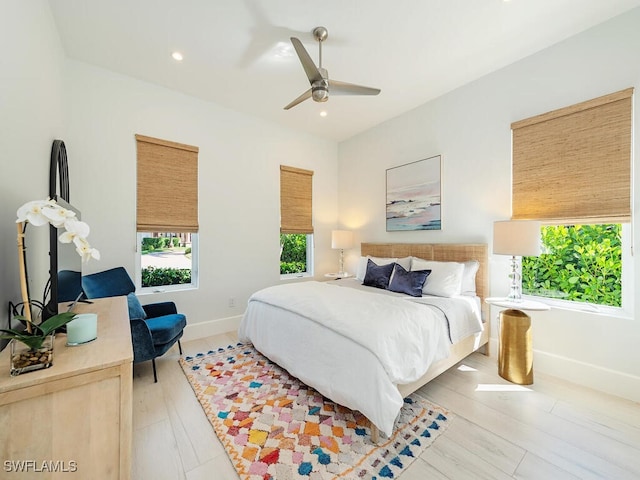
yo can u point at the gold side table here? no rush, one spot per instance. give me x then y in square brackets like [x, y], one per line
[515, 351]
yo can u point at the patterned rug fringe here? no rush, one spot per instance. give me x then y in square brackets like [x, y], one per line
[274, 427]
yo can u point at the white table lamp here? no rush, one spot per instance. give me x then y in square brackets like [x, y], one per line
[341, 240]
[518, 238]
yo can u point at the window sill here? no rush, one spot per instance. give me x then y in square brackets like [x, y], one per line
[165, 289]
[590, 308]
[294, 276]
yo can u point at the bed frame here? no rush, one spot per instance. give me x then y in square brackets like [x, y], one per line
[455, 252]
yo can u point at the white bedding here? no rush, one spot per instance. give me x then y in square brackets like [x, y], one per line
[353, 346]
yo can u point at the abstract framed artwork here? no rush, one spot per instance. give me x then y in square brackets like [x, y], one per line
[414, 193]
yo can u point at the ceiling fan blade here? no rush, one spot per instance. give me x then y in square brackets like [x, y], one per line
[306, 95]
[337, 87]
[313, 74]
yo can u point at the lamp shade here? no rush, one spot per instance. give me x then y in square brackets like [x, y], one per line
[341, 239]
[516, 237]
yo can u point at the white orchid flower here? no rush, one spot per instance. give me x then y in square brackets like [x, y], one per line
[57, 215]
[84, 250]
[42, 212]
[74, 229]
[32, 212]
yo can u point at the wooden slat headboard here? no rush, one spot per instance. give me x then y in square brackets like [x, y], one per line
[452, 252]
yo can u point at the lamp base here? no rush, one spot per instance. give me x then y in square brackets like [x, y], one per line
[515, 288]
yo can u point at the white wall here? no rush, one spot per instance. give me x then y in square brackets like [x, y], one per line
[470, 127]
[31, 117]
[239, 184]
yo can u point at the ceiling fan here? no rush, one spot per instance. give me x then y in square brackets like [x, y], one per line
[318, 77]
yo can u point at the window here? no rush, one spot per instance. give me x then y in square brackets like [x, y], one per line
[167, 260]
[295, 253]
[167, 215]
[581, 263]
[572, 171]
[296, 226]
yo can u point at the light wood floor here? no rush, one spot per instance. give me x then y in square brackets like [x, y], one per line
[549, 430]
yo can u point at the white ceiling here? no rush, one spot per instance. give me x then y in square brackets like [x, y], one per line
[237, 53]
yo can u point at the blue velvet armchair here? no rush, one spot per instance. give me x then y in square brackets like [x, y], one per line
[154, 327]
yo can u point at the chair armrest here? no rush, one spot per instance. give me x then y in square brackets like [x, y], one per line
[159, 309]
[143, 348]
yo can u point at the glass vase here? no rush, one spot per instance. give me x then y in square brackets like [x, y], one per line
[24, 359]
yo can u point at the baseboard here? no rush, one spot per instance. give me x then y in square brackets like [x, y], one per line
[606, 380]
[193, 331]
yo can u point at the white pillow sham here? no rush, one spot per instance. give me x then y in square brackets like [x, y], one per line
[469, 277]
[361, 271]
[445, 279]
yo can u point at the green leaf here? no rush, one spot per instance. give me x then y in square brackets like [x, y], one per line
[10, 333]
[56, 321]
[34, 343]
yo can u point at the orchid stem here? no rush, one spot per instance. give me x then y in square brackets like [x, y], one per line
[23, 275]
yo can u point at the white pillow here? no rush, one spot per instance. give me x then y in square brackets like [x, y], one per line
[445, 279]
[404, 262]
[361, 271]
[469, 277]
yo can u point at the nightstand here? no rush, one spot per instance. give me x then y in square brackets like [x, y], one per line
[515, 351]
[338, 276]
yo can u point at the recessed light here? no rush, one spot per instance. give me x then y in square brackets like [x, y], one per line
[323, 113]
[283, 50]
[177, 56]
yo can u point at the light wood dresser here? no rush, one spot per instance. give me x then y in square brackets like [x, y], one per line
[72, 420]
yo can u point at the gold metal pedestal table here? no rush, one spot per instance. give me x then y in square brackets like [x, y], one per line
[515, 351]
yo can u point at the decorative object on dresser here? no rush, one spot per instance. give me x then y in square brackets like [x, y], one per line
[32, 349]
[37, 335]
[274, 426]
[82, 329]
[341, 240]
[414, 195]
[518, 238]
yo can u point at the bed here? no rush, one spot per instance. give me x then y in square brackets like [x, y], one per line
[346, 341]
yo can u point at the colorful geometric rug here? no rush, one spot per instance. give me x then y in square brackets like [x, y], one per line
[275, 427]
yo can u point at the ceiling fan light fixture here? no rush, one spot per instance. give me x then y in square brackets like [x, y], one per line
[320, 94]
[318, 76]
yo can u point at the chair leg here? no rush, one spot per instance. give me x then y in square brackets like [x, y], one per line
[180, 347]
[155, 376]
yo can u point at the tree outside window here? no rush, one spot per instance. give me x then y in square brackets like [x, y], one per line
[581, 263]
[294, 253]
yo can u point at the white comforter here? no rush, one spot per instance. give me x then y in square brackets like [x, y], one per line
[352, 346]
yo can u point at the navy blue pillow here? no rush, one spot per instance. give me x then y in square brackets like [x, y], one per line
[377, 275]
[135, 308]
[410, 283]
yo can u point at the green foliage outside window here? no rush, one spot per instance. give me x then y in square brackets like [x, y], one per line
[150, 244]
[293, 253]
[581, 263]
[156, 277]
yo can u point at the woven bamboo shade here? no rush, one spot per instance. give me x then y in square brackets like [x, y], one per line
[574, 164]
[167, 186]
[296, 187]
